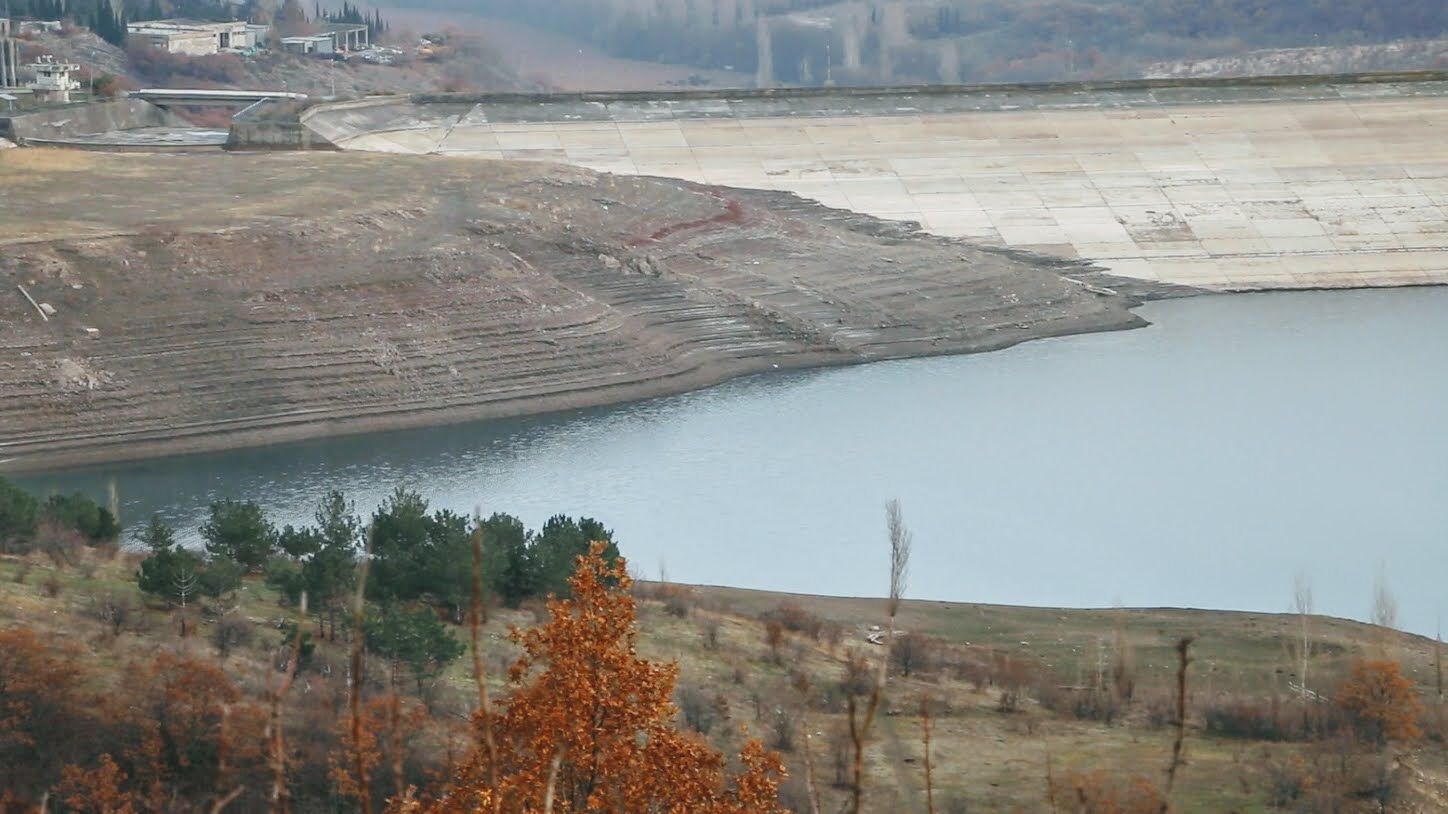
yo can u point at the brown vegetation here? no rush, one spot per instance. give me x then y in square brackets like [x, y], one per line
[600, 712]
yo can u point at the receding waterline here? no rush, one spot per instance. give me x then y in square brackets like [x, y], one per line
[1200, 462]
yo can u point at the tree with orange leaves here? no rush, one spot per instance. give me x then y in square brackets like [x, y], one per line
[1382, 702]
[590, 727]
[44, 716]
[96, 791]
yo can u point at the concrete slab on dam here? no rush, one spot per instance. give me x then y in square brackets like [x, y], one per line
[1271, 185]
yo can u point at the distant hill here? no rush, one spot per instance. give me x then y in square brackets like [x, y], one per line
[815, 41]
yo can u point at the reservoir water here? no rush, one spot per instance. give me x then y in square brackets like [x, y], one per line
[1200, 462]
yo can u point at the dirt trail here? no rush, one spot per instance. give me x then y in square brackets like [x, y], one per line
[213, 301]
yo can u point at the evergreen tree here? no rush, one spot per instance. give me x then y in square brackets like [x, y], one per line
[415, 639]
[82, 515]
[19, 516]
[239, 531]
[156, 536]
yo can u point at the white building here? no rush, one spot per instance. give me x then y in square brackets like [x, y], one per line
[260, 34]
[193, 37]
[346, 36]
[52, 82]
[315, 44]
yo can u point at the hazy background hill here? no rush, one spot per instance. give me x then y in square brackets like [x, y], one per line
[889, 41]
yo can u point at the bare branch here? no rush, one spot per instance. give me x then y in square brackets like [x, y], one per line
[1178, 759]
[354, 694]
[223, 802]
[475, 622]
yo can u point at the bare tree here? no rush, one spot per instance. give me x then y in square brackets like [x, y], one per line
[925, 737]
[1302, 606]
[1438, 677]
[185, 587]
[1385, 605]
[861, 721]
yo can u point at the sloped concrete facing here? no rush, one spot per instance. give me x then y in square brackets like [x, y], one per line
[1280, 184]
[84, 120]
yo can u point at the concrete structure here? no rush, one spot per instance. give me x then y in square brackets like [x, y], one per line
[1224, 185]
[260, 35]
[346, 36]
[52, 83]
[63, 124]
[314, 44]
[9, 57]
[171, 97]
[193, 37]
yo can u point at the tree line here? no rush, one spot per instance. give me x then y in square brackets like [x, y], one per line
[584, 722]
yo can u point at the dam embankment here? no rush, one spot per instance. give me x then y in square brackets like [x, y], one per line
[1241, 184]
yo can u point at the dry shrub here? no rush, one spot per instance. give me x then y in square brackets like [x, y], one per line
[1267, 719]
[796, 619]
[1160, 710]
[782, 732]
[51, 585]
[1331, 777]
[774, 637]
[1084, 703]
[859, 677]
[1287, 780]
[677, 600]
[162, 67]
[230, 633]
[1012, 676]
[710, 631]
[64, 546]
[22, 572]
[1253, 718]
[914, 653]
[1100, 792]
[697, 710]
[114, 611]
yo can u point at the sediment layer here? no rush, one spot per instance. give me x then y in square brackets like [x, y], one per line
[212, 301]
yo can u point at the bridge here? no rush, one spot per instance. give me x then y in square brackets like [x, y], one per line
[197, 97]
[1267, 183]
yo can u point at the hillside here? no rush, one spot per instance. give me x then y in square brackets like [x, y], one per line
[1012, 711]
[472, 64]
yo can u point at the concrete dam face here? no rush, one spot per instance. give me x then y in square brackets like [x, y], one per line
[1229, 186]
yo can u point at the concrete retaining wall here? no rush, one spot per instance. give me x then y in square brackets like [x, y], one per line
[275, 126]
[275, 135]
[85, 118]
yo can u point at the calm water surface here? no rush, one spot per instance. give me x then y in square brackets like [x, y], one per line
[1199, 462]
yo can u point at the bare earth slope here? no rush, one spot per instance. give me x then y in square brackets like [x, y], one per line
[209, 301]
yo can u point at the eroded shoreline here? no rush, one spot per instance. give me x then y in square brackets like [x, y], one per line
[302, 296]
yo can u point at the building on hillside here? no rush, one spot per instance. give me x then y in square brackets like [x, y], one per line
[9, 57]
[193, 37]
[52, 83]
[260, 35]
[315, 44]
[39, 26]
[346, 36]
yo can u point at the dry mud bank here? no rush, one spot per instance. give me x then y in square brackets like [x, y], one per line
[213, 301]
